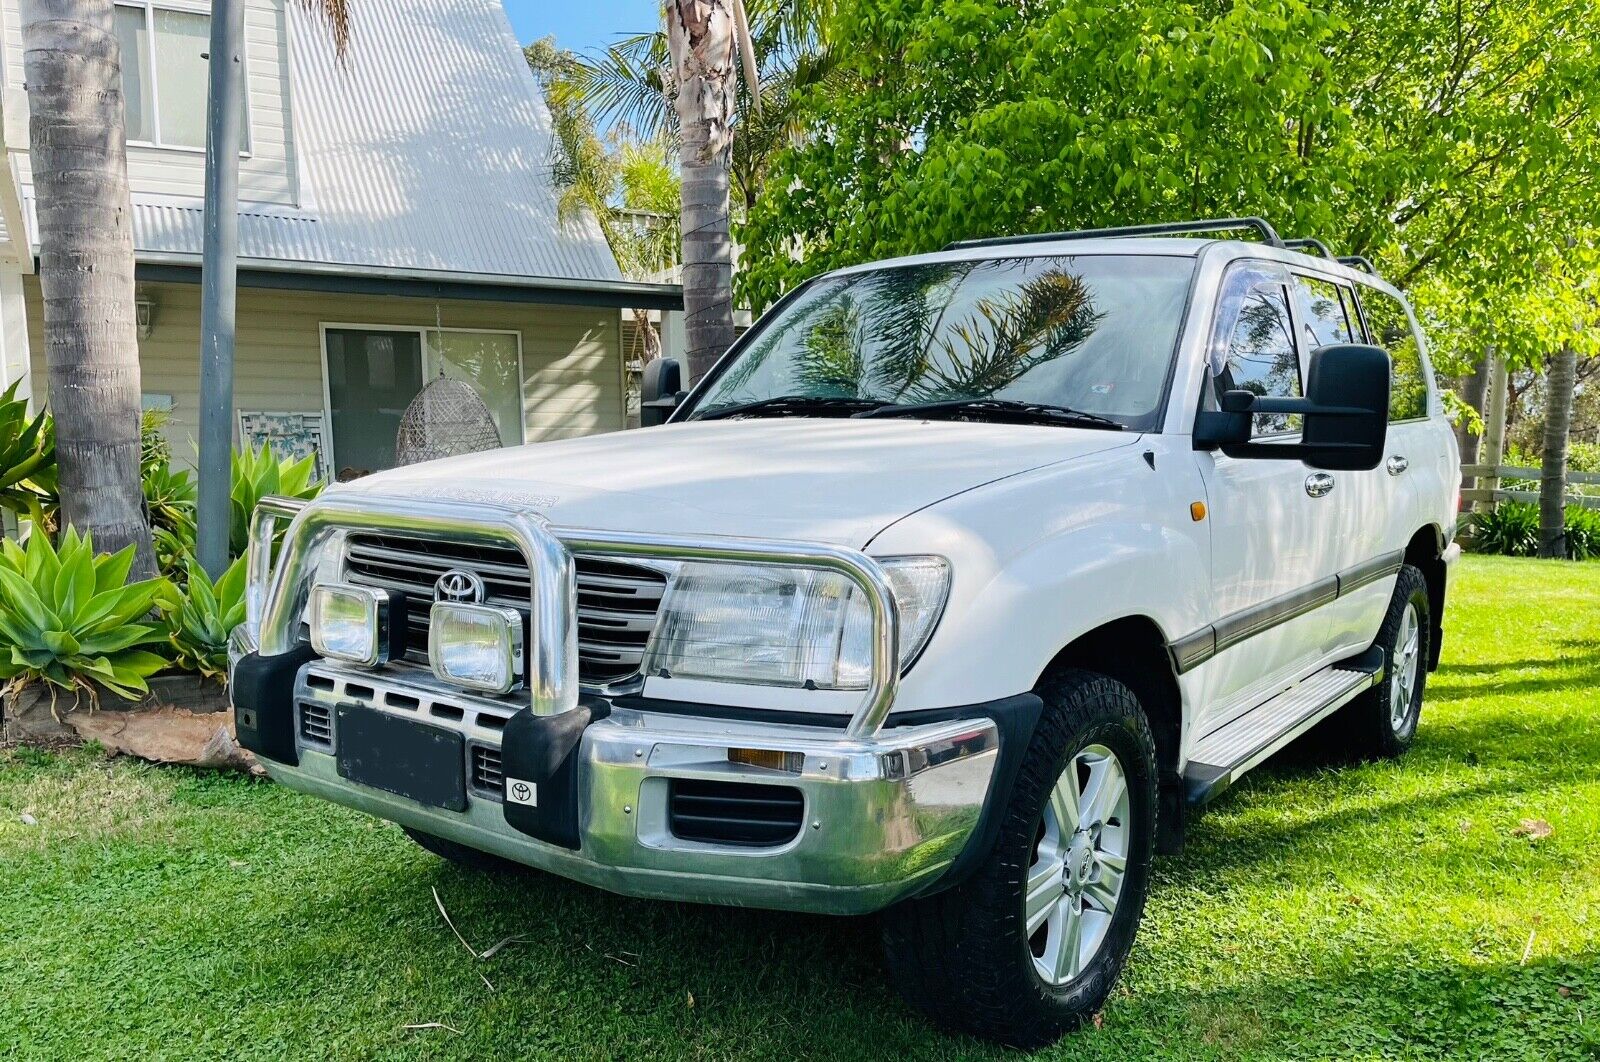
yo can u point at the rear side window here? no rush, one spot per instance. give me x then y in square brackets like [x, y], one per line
[1253, 347]
[1391, 330]
[1329, 312]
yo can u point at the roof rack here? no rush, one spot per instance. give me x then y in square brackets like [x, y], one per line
[1311, 243]
[1267, 233]
[1359, 261]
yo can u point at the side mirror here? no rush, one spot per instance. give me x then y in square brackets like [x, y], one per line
[1346, 411]
[660, 391]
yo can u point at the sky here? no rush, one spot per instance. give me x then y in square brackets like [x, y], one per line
[585, 26]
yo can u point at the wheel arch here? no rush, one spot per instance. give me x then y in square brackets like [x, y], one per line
[1425, 552]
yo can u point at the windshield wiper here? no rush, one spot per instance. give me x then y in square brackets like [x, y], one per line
[1000, 409]
[794, 405]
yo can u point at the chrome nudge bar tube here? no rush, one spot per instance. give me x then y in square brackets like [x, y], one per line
[552, 640]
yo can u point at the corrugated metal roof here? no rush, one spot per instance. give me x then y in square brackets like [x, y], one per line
[428, 149]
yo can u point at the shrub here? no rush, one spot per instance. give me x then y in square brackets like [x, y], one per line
[72, 620]
[27, 459]
[1512, 530]
[258, 473]
[1583, 532]
[204, 616]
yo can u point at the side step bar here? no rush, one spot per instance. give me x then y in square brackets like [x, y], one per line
[1229, 751]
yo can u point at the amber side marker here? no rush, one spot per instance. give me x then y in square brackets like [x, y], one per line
[1197, 511]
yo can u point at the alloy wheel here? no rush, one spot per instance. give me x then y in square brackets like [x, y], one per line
[1403, 669]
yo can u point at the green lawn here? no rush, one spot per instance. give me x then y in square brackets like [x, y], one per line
[1388, 910]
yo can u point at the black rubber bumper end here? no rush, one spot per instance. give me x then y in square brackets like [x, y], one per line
[263, 703]
[539, 759]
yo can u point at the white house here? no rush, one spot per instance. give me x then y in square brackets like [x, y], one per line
[397, 221]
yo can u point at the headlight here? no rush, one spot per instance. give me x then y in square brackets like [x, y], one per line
[777, 626]
[351, 623]
[476, 646]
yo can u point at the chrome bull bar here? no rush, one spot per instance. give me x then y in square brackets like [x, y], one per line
[276, 594]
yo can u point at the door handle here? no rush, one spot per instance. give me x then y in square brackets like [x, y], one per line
[1396, 464]
[1318, 484]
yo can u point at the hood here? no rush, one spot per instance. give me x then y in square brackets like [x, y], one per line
[840, 481]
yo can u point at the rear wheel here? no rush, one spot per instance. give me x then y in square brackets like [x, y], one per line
[1382, 722]
[1030, 946]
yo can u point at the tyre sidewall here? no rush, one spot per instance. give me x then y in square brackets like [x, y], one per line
[1410, 588]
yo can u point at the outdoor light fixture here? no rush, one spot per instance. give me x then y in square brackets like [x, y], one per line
[476, 646]
[144, 313]
[352, 623]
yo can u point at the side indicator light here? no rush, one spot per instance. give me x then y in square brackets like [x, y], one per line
[1197, 511]
[771, 759]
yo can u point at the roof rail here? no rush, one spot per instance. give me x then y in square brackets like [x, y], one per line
[1267, 233]
[1311, 243]
[1359, 261]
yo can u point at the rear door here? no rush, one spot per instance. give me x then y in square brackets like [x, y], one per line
[1273, 559]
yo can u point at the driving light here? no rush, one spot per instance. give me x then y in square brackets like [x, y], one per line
[476, 646]
[798, 627]
[351, 623]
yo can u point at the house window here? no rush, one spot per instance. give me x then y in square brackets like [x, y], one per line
[164, 75]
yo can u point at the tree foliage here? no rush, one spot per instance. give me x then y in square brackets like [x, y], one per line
[1456, 144]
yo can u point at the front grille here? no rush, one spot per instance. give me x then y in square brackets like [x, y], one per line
[486, 775]
[734, 813]
[617, 600]
[316, 725]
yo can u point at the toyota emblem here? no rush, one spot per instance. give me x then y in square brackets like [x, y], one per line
[458, 584]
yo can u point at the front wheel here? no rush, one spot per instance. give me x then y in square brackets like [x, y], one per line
[1382, 722]
[1031, 945]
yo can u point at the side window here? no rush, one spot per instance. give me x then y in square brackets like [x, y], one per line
[1391, 330]
[1253, 347]
[1327, 312]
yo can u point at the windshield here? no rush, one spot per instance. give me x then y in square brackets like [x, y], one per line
[1091, 333]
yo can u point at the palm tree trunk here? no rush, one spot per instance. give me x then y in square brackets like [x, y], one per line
[1557, 428]
[700, 37]
[72, 64]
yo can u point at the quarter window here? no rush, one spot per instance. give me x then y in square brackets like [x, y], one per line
[164, 74]
[1391, 330]
[1328, 311]
[1253, 348]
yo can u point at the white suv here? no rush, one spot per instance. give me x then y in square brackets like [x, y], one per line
[950, 592]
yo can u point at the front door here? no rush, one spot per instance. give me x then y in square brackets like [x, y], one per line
[1272, 556]
[372, 377]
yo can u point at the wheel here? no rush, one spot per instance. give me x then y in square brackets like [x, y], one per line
[1382, 722]
[461, 854]
[1030, 946]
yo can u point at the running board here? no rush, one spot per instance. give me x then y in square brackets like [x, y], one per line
[1227, 752]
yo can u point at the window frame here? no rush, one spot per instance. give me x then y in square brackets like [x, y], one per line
[149, 8]
[1209, 396]
[1357, 327]
[429, 363]
[1430, 381]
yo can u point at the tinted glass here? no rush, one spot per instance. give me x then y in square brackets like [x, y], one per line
[372, 377]
[1323, 309]
[1092, 332]
[1256, 350]
[1391, 330]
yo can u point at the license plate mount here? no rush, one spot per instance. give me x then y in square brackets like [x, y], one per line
[424, 763]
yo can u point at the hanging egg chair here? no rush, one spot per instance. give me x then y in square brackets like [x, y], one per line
[448, 417]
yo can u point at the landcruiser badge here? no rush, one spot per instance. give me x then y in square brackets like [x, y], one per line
[520, 792]
[458, 584]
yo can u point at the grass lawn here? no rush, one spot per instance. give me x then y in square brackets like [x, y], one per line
[1388, 910]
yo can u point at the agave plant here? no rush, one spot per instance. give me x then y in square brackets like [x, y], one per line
[70, 618]
[258, 473]
[205, 614]
[27, 459]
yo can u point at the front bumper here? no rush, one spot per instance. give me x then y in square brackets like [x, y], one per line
[883, 818]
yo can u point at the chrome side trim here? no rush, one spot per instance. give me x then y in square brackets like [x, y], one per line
[553, 678]
[1195, 648]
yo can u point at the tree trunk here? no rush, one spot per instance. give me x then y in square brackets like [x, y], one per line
[700, 37]
[72, 64]
[1473, 392]
[1557, 428]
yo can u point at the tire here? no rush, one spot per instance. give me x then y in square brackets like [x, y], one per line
[462, 855]
[964, 956]
[1382, 722]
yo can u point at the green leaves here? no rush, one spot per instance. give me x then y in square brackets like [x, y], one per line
[27, 458]
[204, 616]
[69, 618]
[258, 473]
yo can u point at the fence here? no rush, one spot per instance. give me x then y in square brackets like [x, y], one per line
[1497, 473]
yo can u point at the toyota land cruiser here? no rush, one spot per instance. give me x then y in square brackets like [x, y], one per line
[949, 592]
